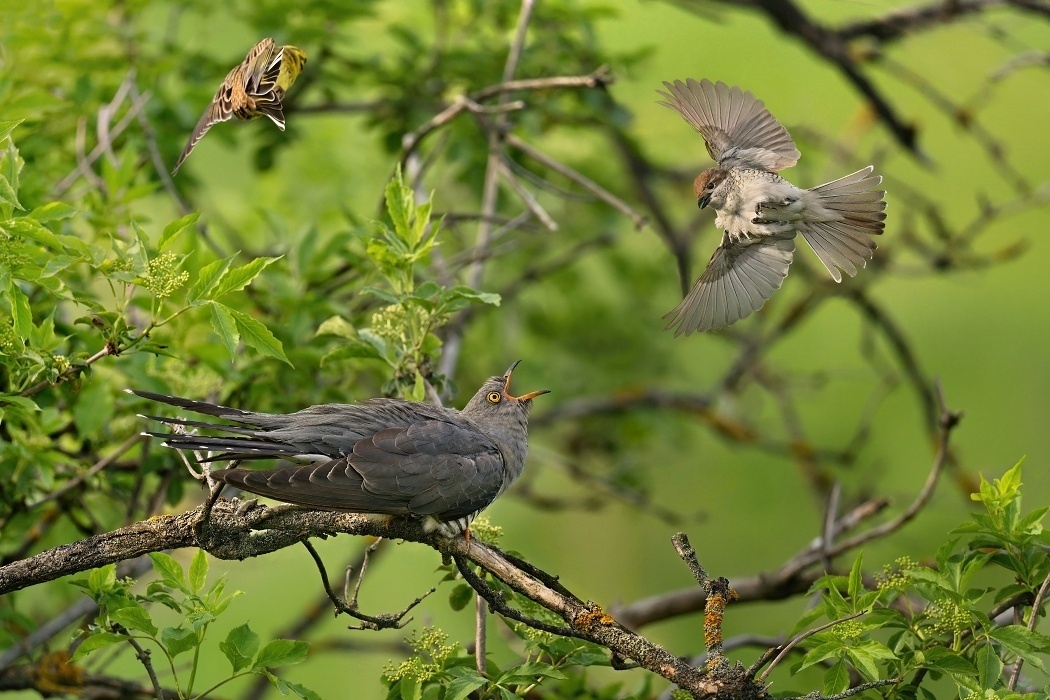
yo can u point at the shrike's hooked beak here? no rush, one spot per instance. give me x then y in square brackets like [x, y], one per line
[523, 397]
[704, 200]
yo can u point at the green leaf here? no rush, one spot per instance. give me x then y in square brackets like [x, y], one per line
[172, 230]
[947, 661]
[281, 652]
[95, 406]
[460, 596]
[256, 335]
[240, 277]
[97, 641]
[240, 647]
[337, 326]
[465, 681]
[8, 194]
[134, 617]
[836, 678]
[225, 327]
[102, 579]
[53, 211]
[169, 570]
[410, 688]
[21, 314]
[177, 640]
[989, 666]
[33, 230]
[1024, 643]
[198, 571]
[856, 580]
[6, 127]
[528, 673]
[207, 278]
[297, 689]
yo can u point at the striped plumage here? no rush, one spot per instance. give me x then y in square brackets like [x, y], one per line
[253, 89]
[760, 212]
[386, 456]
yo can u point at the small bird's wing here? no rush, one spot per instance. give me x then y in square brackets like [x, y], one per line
[739, 279]
[740, 132]
[257, 66]
[239, 82]
[431, 467]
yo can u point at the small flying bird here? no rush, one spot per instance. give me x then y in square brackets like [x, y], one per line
[385, 456]
[759, 212]
[251, 90]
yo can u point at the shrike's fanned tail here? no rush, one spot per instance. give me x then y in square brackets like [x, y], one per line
[842, 217]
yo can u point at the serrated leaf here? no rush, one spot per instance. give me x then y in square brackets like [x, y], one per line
[240, 647]
[466, 681]
[8, 194]
[96, 642]
[297, 689]
[256, 335]
[240, 277]
[52, 211]
[102, 579]
[6, 127]
[989, 666]
[281, 652]
[460, 596]
[947, 661]
[177, 640]
[836, 678]
[169, 570]
[225, 327]
[410, 688]
[856, 579]
[528, 672]
[198, 571]
[208, 277]
[349, 351]
[337, 326]
[134, 617]
[33, 230]
[1024, 643]
[172, 230]
[95, 406]
[21, 314]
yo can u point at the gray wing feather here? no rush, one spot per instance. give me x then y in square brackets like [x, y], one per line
[739, 279]
[428, 468]
[739, 130]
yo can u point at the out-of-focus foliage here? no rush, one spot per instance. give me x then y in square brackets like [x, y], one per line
[373, 249]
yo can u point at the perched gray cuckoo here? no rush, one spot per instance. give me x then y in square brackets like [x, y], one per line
[386, 456]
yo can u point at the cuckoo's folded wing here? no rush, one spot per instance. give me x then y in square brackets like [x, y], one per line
[740, 132]
[429, 468]
[739, 279]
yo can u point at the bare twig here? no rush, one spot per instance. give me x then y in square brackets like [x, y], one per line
[368, 622]
[786, 649]
[1037, 606]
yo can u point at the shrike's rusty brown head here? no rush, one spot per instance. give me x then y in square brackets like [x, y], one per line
[705, 184]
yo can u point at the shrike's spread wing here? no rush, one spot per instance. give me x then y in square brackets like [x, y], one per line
[739, 279]
[739, 130]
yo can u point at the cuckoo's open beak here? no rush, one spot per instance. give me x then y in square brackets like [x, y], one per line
[523, 397]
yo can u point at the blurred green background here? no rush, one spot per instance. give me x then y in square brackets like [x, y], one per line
[592, 328]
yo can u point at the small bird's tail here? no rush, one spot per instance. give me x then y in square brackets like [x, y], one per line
[842, 217]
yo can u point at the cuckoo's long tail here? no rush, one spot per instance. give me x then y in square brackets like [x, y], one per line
[842, 217]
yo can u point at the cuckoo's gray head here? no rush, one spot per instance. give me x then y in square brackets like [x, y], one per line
[494, 402]
[504, 418]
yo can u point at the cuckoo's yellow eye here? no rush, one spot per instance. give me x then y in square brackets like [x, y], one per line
[494, 397]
